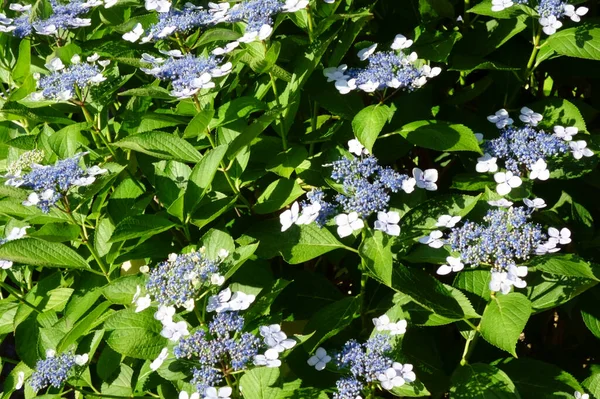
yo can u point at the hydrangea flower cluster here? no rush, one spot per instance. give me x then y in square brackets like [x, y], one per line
[55, 370]
[50, 183]
[187, 73]
[366, 189]
[393, 69]
[62, 82]
[63, 17]
[526, 148]
[24, 162]
[14, 234]
[549, 11]
[223, 347]
[504, 238]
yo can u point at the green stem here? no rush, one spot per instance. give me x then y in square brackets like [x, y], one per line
[534, 51]
[16, 294]
[281, 118]
[471, 341]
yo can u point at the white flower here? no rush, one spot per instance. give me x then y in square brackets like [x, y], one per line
[499, 283]
[506, 182]
[536, 203]
[561, 237]
[47, 30]
[55, 64]
[565, 133]
[345, 86]
[289, 216]
[514, 274]
[398, 327]
[575, 15]
[265, 31]
[93, 58]
[217, 393]
[388, 222]
[104, 63]
[367, 52]
[158, 5]
[184, 395]
[319, 360]
[430, 72]
[426, 179]
[20, 380]
[7, 29]
[275, 338]
[17, 233]
[579, 150]
[530, 117]
[500, 118]
[76, 59]
[222, 70]
[142, 303]
[369, 86]
[401, 42]
[79, 22]
[454, 265]
[381, 323]
[499, 5]
[110, 3]
[348, 223]
[434, 239]
[478, 137]
[547, 248]
[22, 8]
[405, 371]
[135, 33]
[226, 301]
[50, 353]
[229, 47]
[329, 1]
[98, 78]
[84, 181]
[96, 170]
[165, 314]
[408, 185]
[81, 360]
[309, 214]
[294, 5]
[223, 253]
[162, 356]
[447, 221]
[217, 279]
[174, 331]
[579, 395]
[501, 203]
[390, 379]
[355, 147]
[241, 301]
[269, 359]
[539, 170]
[334, 74]
[166, 31]
[550, 24]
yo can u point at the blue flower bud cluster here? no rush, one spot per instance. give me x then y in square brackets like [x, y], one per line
[256, 13]
[387, 66]
[62, 84]
[52, 371]
[175, 21]
[179, 279]
[326, 209]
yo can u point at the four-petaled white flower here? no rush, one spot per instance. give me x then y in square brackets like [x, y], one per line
[388, 222]
[225, 301]
[309, 214]
[269, 359]
[158, 5]
[55, 64]
[579, 150]
[434, 239]
[500, 118]
[405, 371]
[217, 393]
[165, 314]
[486, 163]
[174, 331]
[135, 34]
[367, 52]
[355, 147]
[565, 133]
[185, 395]
[217, 279]
[575, 14]
[447, 221]
[560, 237]
[539, 170]
[20, 380]
[348, 223]
[547, 248]
[506, 182]
[345, 86]
[162, 356]
[81, 360]
[550, 24]
[294, 5]
[390, 379]
[19, 8]
[289, 216]
[501, 203]
[530, 117]
[499, 5]
[319, 360]
[333, 74]
[275, 338]
[401, 42]
[430, 72]
[141, 302]
[454, 265]
[369, 86]
[229, 47]
[536, 203]
[383, 323]
[408, 185]
[426, 179]
[579, 395]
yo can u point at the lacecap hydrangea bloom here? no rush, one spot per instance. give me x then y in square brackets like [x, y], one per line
[366, 189]
[385, 69]
[526, 149]
[505, 238]
[50, 183]
[55, 369]
[63, 82]
[550, 12]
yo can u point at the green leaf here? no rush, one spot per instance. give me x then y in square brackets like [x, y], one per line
[579, 42]
[330, 320]
[592, 322]
[549, 291]
[83, 326]
[277, 195]
[201, 177]
[504, 319]
[150, 122]
[440, 136]
[422, 316]
[56, 232]
[135, 335]
[21, 70]
[568, 265]
[251, 132]
[161, 145]
[369, 122]
[558, 111]
[36, 252]
[199, 124]
[376, 253]
[485, 8]
[122, 290]
[140, 226]
[259, 382]
[592, 384]
[474, 281]
[237, 109]
[284, 163]
[482, 381]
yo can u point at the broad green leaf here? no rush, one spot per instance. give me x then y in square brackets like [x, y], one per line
[421, 316]
[259, 383]
[121, 385]
[330, 320]
[592, 321]
[251, 132]
[277, 195]
[150, 122]
[201, 177]
[237, 109]
[161, 145]
[135, 335]
[122, 290]
[21, 70]
[558, 111]
[440, 136]
[548, 291]
[36, 252]
[592, 383]
[68, 140]
[199, 124]
[83, 326]
[579, 42]
[56, 232]
[284, 163]
[485, 8]
[214, 241]
[435, 46]
[376, 254]
[567, 265]
[369, 122]
[482, 381]
[140, 226]
[504, 319]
